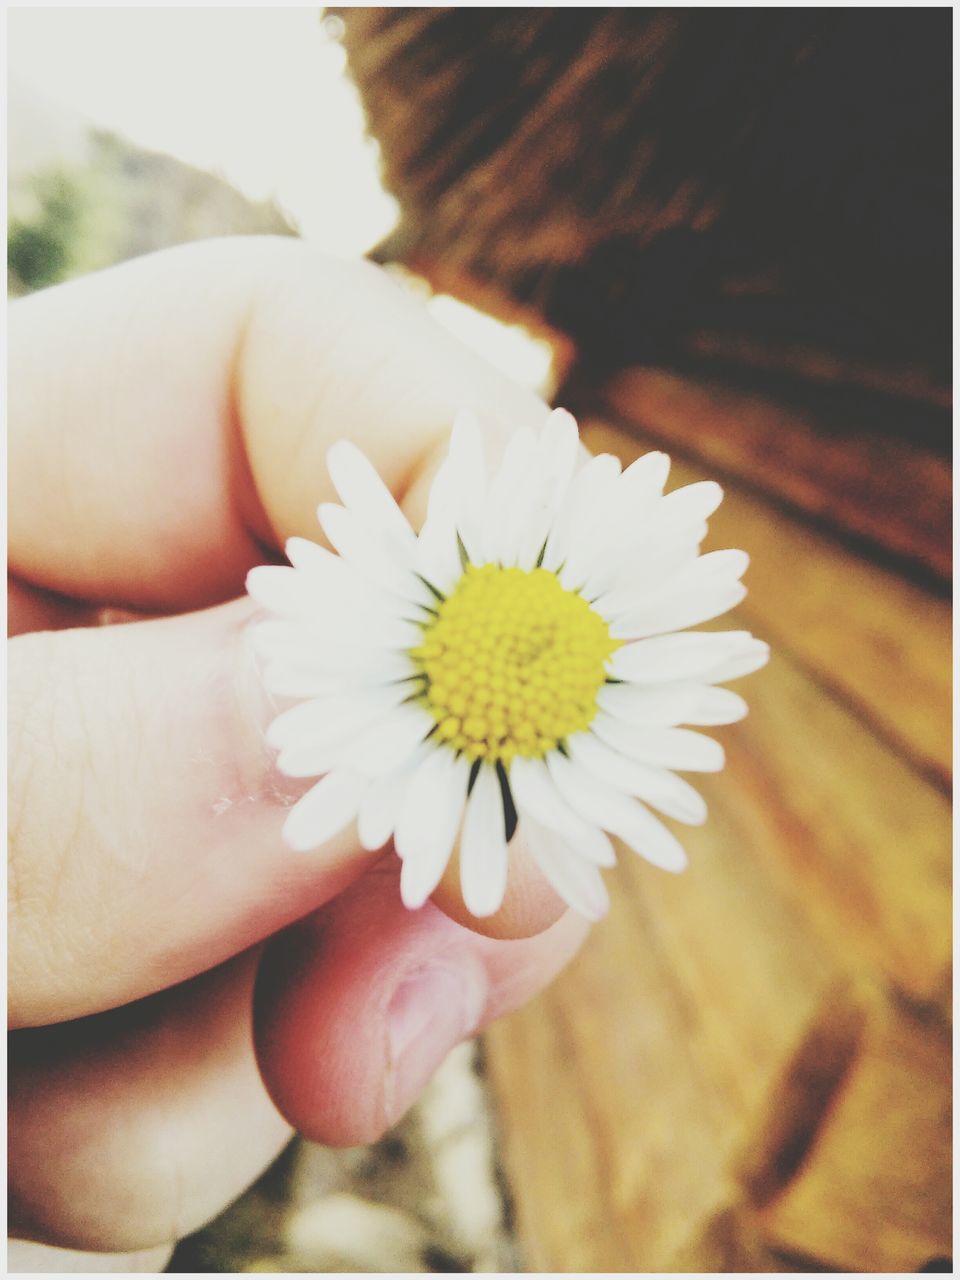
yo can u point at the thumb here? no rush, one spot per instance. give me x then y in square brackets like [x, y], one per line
[145, 813]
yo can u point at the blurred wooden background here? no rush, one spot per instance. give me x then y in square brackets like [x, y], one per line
[749, 1066]
[735, 232]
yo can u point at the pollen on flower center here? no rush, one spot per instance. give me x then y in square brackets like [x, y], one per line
[512, 664]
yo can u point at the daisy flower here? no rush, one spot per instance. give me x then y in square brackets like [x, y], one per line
[520, 665]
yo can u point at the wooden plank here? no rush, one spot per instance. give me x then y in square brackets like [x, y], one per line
[892, 491]
[875, 1193]
[880, 642]
[864, 842]
[803, 1097]
[904, 380]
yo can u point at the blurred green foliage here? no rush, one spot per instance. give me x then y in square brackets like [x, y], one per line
[62, 223]
[121, 202]
[41, 249]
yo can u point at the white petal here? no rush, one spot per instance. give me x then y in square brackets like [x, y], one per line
[310, 558]
[628, 508]
[370, 553]
[649, 556]
[670, 704]
[345, 590]
[742, 663]
[283, 590]
[669, 748]
[454, 507]
[287, 680]
[535, 794]
[684, 575]
[281, 636]
[674, 610]
[640, 570]
[717, 706]
[689, 505]
[362, 491]
[622, 538]
[351, 661]
[373, 667]
[728, 564]
[625, 817]
[377, 666]
[381, 805]
[697, 573]
[559, 449]
[659, 787]
[324, 720]
[325, 810]
[394, 633]
[347, 633]
[650, 704]
[276, 641]
[589, 491]
[444, 493]
[508, 493]
[577, 881]
[557, 452]
[438, 555]
[469, 470]
[310, 760]
[643, 480]
[428, 823]
[483, 847]
[378, 815]
[681, 656]
[387, 744]
[592, 535]
[376, 652]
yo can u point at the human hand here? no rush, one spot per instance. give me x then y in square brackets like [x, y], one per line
[169, 421]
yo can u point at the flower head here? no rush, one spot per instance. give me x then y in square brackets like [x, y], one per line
[521, 663]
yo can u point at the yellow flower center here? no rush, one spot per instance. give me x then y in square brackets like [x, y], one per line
[512, 663]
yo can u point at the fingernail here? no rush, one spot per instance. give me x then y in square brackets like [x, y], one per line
[430, 1013]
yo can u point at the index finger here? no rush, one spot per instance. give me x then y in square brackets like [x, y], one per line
[169, 417]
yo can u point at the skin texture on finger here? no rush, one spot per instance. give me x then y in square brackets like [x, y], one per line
[132, 1128]
[145, 813]
[357, 1005]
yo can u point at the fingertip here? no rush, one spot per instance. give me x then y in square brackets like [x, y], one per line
[357, 1005]
[530, 906]
[325, 1036]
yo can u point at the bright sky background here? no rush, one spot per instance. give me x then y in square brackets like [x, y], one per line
[257, 95]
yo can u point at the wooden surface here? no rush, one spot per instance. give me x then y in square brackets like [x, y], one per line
[747, 1067]
[887, 484]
